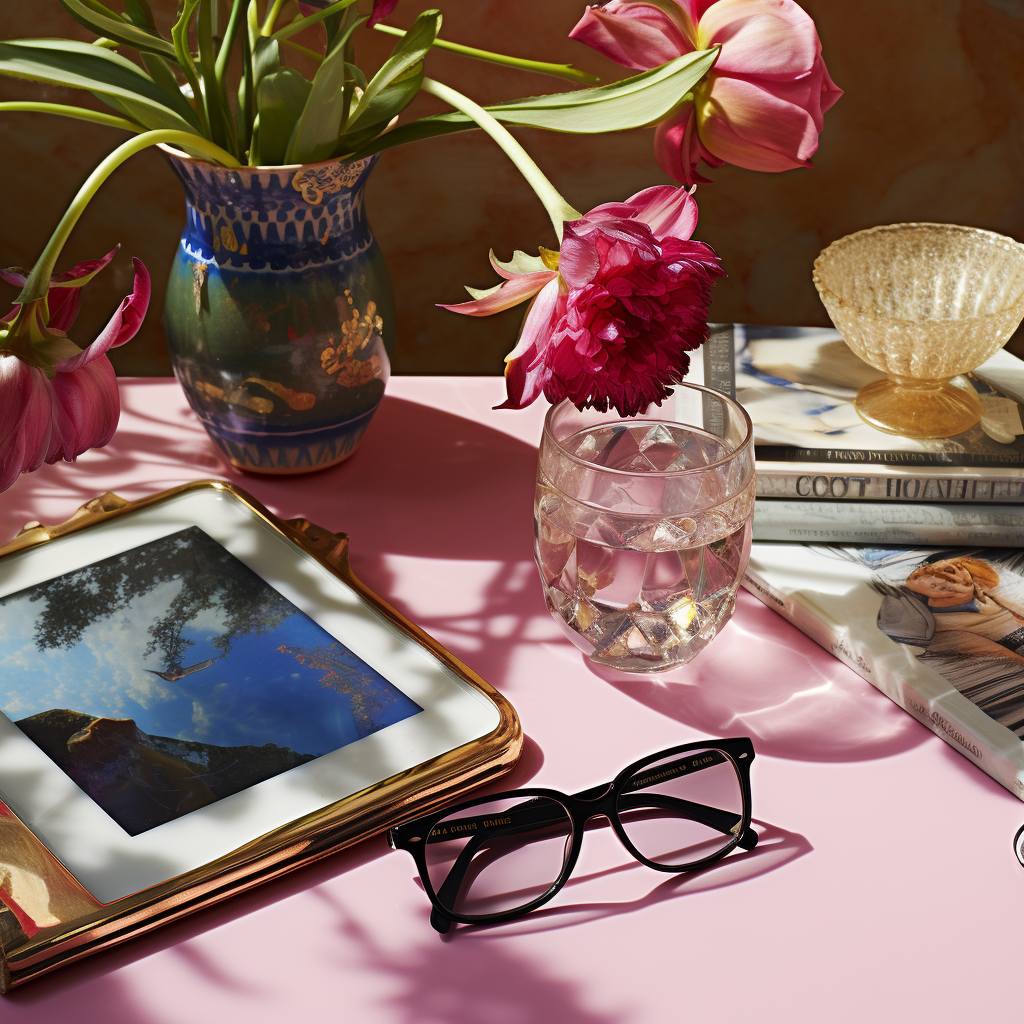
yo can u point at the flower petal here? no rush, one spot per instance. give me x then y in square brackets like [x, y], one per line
[774, 38]
[82, 273]
[578, 259]
[678, 149]
[63, 305]
[666, 210]
[636, 35]
[508, 294]
[525, 369]
[381, 9]
[26, 406]
[521, 263]
[86, 408]
[123, 325]
[752, 127]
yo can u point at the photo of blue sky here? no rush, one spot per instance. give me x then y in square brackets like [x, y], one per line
[169, 669]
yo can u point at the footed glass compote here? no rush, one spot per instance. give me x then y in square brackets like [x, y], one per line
[925, 303]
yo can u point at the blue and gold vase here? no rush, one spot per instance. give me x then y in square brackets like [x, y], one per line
[279, 312]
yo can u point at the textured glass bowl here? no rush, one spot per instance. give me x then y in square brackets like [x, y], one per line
[924, 303]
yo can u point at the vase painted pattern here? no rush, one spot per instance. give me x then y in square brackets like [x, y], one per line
[279, 313]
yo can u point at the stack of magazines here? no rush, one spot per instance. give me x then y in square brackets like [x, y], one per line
[903, 558]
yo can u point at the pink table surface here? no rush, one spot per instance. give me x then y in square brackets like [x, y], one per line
[884, 887]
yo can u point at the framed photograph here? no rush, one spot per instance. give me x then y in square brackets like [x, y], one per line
[196, 697]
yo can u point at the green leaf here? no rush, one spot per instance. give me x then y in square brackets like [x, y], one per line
[255, 151]
[112, 26]
[357, 76]
[83, 66]
[282, 97]
[316, 132]
[300, 23]
[218, 114]
[183, 55]
[632, 103]
[391, 89]
[160, 71]
[246, 97]
[138, 12]
[266, 59]
[150, 118]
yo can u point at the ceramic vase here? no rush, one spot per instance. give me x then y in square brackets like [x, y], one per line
[279, 312]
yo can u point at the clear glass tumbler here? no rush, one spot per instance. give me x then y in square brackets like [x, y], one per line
[642, 526]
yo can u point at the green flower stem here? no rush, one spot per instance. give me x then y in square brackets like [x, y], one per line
[566, 71]
[300, 23]
[179, 36]
[557, 208]
[305, 51]
[96, 116]
[272, 16]
[39, 278]
[235, 20]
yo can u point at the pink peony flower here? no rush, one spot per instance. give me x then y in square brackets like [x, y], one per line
[762, 104]
[615, 313]
[57, 400]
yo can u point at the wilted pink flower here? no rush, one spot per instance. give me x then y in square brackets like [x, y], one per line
[761, 105]
[615, 312]
[57, 400]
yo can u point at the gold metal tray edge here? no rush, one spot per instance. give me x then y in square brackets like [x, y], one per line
[300, 842]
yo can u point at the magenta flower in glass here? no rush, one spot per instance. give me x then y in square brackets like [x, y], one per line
[615, 313]
[56, 399]
[761, 106]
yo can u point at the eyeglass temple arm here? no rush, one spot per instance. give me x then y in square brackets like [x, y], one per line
[527, 820]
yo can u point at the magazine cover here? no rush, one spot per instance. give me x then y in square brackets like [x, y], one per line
[938, 630]
[798, 385]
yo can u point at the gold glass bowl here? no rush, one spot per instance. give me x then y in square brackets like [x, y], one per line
[924, 303]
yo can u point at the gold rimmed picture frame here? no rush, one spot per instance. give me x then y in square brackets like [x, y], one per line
[198, 697]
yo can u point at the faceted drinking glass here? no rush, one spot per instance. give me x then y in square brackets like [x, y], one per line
[642, 526]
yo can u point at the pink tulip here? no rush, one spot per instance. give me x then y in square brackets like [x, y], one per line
[57, 400]
[762, 104]
[615, 312]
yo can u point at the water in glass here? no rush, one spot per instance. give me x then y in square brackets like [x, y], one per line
[639, 586]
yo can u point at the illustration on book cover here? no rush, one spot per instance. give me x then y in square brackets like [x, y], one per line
[963, 616]
[798, 385]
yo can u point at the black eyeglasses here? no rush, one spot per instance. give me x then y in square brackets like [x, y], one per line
[496, 857]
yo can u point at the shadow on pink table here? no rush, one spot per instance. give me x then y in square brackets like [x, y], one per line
[428, 485]
[765, 679]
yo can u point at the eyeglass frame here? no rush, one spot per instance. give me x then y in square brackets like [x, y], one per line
[601, 800]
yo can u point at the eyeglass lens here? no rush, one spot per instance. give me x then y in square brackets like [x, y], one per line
[498, 855]
[682, 808]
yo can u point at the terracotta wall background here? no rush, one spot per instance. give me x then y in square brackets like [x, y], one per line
[929, 129]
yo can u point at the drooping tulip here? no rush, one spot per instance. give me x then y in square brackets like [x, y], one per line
[762, 104]
[615, 312]
[56, 399]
